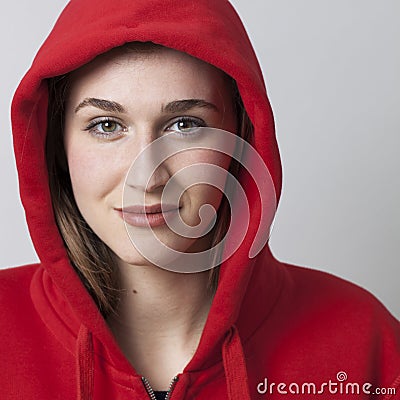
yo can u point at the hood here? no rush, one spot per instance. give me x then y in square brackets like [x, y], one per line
[206, 29]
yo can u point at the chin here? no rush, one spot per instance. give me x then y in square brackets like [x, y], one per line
[129, 254]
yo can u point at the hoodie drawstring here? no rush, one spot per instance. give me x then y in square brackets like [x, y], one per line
[84, 364]
[235, 367]
[232, 355]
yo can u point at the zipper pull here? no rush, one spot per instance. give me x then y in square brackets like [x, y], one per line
[150, 390]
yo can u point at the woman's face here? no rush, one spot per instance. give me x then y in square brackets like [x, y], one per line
[117, 105]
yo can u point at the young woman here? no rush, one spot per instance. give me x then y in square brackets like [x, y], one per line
[120, 307]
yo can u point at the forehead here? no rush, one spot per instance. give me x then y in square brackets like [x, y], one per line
[155, 69]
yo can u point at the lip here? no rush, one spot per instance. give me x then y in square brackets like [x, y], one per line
[145, 216]
[150, 209]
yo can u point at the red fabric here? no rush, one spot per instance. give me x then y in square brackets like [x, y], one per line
[85, 364]
[287, 324]
[235, 367]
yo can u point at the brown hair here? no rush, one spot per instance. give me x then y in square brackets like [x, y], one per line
[93, 260]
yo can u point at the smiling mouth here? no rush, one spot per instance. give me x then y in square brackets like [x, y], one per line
[148, 216]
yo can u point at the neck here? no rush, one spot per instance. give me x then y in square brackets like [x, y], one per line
[153, 298]
[160, 313]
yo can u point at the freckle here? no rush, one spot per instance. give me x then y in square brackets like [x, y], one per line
[134, 291]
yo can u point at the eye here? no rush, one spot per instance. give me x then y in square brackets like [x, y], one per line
[186, 125]
[106, 128]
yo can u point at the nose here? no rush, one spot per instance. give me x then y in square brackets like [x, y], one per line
[148, 171]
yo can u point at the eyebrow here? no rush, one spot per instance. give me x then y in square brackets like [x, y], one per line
[172, 107]
[105, 105]
[186, 105]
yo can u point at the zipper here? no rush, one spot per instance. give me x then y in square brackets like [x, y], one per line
[171, 387]
[150, 390]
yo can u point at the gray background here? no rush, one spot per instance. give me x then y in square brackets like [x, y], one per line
[332, 72]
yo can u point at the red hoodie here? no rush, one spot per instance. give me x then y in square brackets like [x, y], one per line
[274, 330]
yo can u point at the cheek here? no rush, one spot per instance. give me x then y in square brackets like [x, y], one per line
[94, 173]
[206, 194]
[211, 179]
[192, 157]
[83, 168]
